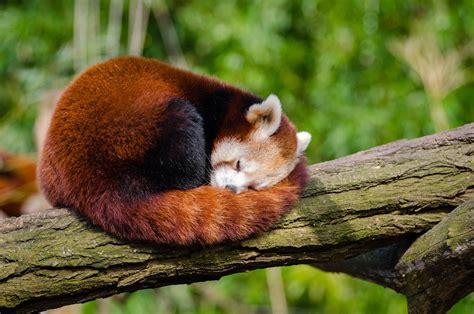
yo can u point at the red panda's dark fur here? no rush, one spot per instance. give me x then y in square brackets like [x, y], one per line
[129, 146]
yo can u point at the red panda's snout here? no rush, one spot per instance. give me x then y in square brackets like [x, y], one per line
[264, 157]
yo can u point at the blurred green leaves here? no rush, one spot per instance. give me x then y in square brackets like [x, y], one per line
[33, 36]
[329, 62]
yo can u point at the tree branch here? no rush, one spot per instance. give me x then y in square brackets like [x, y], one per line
[377, 198]
[434, 271]
[438, 268]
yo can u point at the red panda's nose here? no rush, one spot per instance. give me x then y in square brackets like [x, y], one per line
[232, 187]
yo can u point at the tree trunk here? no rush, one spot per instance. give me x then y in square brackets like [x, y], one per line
[360, 214]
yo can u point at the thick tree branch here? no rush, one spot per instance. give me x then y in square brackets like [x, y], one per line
[353, 205]
[434, 271]
[438, 268]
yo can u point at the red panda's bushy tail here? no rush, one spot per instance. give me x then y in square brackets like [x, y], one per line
[204, 215]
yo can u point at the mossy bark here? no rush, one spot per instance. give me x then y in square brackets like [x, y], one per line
[438, 267]
[434, 271]
[353, 206]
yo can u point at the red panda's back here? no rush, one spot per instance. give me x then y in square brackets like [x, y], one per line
[106, 120]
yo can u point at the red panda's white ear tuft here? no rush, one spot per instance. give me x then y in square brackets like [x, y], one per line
[266, 117]
[303, 139]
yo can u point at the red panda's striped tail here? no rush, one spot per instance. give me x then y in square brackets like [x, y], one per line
[204, 215]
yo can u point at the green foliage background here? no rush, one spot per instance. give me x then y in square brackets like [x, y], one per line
[331, 64]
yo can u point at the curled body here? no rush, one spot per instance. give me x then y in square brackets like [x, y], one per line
[150, 152]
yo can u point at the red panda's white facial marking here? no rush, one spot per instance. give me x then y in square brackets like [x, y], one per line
[227, 164]
[261, 159]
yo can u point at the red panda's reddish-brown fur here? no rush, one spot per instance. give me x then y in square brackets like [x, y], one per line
[98, 147]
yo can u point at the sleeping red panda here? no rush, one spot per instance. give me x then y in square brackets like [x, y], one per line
[133, 144]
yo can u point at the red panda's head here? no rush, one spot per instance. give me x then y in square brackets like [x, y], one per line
[261, 157]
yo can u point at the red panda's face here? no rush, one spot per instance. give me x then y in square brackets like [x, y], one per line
[264, 157]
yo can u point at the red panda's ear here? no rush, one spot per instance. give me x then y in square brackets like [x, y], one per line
[303, 139]
[266, 117]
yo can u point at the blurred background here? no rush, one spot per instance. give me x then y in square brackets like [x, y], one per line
[355, 74]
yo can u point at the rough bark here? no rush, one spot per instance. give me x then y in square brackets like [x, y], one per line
[434, 271]
[438, 267]
[357, 215]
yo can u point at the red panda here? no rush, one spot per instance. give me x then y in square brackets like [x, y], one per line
[134, 143]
